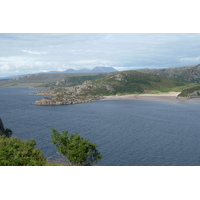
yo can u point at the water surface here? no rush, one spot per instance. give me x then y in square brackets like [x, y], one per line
[128, 133]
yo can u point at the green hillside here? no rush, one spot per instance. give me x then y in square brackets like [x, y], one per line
[127, 82]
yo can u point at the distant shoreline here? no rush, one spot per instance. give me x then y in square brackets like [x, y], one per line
[171, 96]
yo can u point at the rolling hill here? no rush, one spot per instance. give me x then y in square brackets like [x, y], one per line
[127, 82]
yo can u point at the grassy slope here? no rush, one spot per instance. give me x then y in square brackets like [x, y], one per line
[135, 82]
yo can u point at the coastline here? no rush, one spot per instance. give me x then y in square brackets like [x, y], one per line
[171, 96]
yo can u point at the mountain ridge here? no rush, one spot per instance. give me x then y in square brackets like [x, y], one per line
[186, 73]
[85, 70]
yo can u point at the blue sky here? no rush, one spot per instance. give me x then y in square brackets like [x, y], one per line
[33, 53]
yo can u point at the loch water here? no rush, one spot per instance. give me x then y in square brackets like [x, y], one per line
[127, 132]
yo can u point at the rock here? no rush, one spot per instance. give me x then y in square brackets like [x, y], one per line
[2, 130]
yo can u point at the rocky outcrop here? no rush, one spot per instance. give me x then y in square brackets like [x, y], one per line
[2, 129]
[55, 100]
[87, 92]
[187, 73]
[195, 94]
[188, 93]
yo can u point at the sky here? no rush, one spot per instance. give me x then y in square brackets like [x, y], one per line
[26, 53]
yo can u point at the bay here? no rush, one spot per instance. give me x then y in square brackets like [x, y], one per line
[128, 133]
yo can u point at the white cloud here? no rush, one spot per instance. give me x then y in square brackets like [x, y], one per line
[15, 60]
[82, 62]
[11, 65]
[93, 62]
[4, 68]
[34, 52]
[192, 59]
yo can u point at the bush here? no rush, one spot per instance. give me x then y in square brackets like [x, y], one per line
[77, 150]
[16, 152]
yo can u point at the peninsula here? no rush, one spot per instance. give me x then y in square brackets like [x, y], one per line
[121, 85]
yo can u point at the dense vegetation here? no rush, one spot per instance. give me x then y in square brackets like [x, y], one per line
[17, 152]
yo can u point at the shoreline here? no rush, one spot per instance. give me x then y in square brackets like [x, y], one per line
[171, 96]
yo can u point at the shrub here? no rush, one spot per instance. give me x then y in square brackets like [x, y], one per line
[78, 151]
[16, 152]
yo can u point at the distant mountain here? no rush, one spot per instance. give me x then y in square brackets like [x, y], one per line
[103, 69]
[70, 71]
[85, 70]
[94, 70]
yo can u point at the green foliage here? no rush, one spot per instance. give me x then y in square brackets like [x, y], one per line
[16, 152]
[78, 151]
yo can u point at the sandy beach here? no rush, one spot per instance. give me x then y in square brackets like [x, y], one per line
[171, 96]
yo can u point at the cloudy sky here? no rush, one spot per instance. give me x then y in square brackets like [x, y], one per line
[32, 53]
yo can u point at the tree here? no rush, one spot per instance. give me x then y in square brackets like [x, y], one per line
[77, 150]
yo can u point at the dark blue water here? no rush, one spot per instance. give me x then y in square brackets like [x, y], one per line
[128, 133]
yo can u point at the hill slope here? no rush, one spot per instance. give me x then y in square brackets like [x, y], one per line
[127, 82]
[187, 73]
[137, 82]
